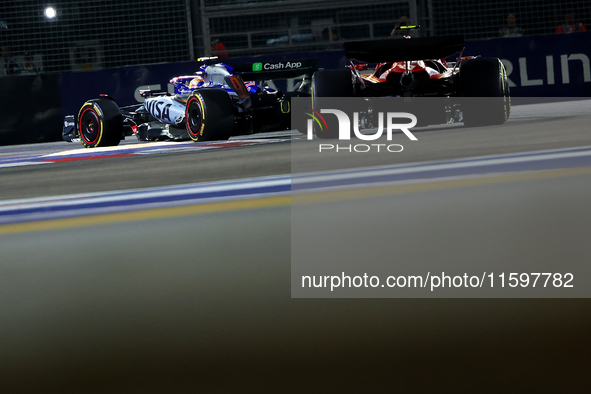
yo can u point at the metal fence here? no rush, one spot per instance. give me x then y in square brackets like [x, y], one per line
[257, 27]
[479, 19]
[252, 28]
[90, 35]
[62, 35]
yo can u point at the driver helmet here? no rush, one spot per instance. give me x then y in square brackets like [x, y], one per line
[196, 82]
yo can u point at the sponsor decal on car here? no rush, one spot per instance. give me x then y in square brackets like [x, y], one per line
[159, 109]
[276, 66]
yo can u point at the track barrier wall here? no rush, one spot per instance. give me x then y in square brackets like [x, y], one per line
[32, 107]
[542, 66]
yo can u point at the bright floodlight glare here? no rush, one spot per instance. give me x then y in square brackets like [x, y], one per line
[50, 13]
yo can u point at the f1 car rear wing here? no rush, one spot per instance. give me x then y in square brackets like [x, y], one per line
[276, 70]
[399, 50]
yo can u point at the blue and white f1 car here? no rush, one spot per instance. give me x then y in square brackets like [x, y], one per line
[214, 104]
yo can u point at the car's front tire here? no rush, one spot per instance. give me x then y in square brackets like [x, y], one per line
[100, 123]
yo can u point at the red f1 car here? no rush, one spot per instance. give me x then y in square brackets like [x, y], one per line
[417, 68]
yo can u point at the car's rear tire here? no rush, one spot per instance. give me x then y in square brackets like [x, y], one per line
[484, 80]
[100, 123]
[327, 84]
[209, 115]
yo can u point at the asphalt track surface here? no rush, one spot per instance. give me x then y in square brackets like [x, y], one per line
[200, 302]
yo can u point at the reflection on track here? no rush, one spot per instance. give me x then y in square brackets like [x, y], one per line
[391, 179]
[448, 169]
[128, 150]
[14, 211]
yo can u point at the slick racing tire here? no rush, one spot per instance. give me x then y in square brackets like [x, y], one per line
[327, 84]
[209, 115]
[485, 80]
[100, 123]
